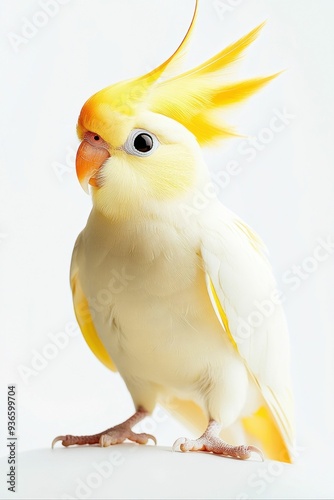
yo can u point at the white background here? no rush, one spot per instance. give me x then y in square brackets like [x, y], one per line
[286, 192]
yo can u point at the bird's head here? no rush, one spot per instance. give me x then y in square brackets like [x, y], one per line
[140, 139]
[133, 161]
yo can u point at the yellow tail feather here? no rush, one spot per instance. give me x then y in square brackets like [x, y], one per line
[262, 427]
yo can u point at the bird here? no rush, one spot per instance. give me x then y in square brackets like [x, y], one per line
[179, 296]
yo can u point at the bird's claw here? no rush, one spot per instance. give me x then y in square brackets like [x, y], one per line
[254, 449]
[178, 443]
[152, 438]
[56, 439]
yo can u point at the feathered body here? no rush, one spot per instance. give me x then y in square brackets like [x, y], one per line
[152, 328]
[161, 288]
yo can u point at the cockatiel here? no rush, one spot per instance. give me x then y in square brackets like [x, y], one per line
[167, 292]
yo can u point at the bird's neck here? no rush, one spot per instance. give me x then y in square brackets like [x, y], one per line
[126, 235]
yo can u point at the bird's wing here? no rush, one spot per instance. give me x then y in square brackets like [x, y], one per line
[83, 313]
[244, 295]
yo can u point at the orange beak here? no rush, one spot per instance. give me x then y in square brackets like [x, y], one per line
[92, 153]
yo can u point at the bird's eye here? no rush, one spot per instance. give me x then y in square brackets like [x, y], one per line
[140, 143]
[96, 137]
[143, 143]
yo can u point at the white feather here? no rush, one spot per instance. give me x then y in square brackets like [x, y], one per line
[235, 262]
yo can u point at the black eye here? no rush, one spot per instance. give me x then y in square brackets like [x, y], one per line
[140, 142]
[143, 143]
[96, 138]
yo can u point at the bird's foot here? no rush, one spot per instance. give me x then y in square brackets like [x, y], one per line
[210, 441]
[114, 435]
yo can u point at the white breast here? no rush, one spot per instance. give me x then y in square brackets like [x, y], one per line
[147, 294]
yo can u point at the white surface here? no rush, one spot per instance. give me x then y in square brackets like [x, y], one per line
[286, 192]
[144, 472]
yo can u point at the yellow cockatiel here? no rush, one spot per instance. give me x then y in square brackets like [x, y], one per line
[168, 292]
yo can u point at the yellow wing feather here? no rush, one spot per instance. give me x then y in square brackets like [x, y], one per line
[86, 324]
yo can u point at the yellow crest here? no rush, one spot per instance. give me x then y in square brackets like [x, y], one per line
[191, 98]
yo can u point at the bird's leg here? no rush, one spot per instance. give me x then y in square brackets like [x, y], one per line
[114, 435]
[210, 441]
